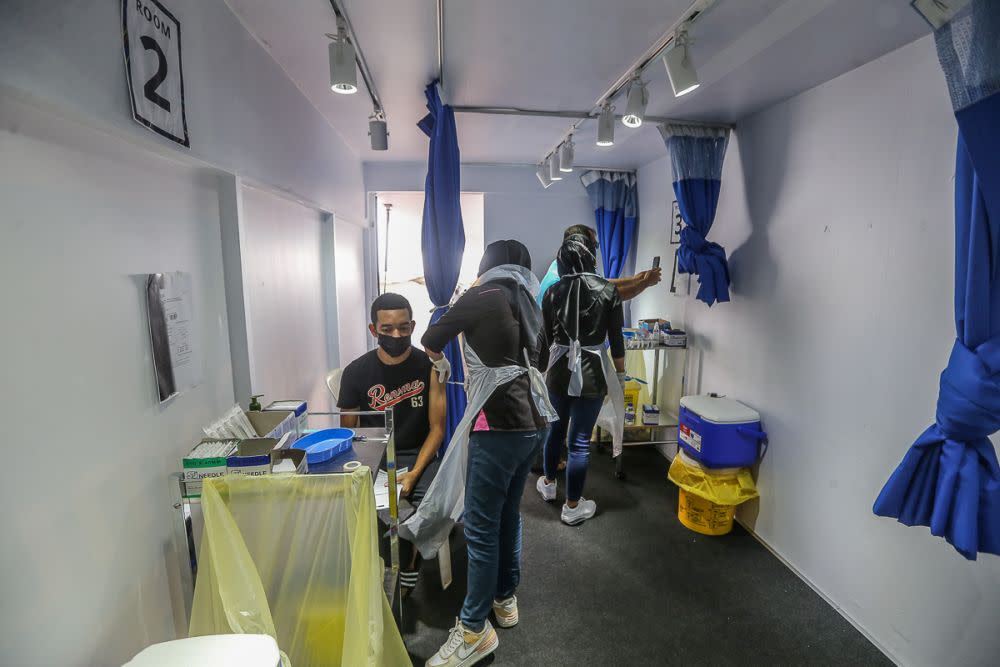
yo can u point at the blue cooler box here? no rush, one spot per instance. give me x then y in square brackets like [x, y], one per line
[720, 432]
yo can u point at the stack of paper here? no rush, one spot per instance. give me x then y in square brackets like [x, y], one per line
[382, 488]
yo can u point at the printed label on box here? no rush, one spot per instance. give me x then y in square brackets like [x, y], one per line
[193, 479]
[252, 471]
[691, 438]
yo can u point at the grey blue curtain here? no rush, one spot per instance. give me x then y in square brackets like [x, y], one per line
[443, 234]
[949, 479]
[615, 200]
[696, 156]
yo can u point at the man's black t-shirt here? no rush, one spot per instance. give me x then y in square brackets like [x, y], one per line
[372, 385]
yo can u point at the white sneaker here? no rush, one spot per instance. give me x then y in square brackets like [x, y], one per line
[584, 510]
[465, 648]
[548, 491]
[506, 612]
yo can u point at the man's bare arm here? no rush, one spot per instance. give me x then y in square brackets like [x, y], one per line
[349, 421]
[437, 410]
[633, 286]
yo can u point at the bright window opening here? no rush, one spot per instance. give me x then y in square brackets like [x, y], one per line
[400, 261]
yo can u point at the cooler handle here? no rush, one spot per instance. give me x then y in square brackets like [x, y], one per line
[757, 434]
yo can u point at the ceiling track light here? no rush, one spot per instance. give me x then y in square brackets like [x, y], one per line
[542, 172]
[691, 16]
[553, 162]
[343, 66]
[635, 108]
[680, 71]
[566, 154]
[378, 130]
[606, 126]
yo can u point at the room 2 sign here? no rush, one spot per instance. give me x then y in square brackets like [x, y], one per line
[153, 68]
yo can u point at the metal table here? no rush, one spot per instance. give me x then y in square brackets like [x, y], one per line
[658, 434]
[368, 448]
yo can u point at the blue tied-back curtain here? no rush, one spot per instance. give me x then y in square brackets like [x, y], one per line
[615, 200]
[443, 234]
[696, 155]
[949, 479]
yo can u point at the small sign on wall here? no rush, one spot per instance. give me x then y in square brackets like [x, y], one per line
[676, 224]
[172, 333]
[153, 68]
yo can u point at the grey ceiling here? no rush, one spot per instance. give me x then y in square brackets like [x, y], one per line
[563, 54]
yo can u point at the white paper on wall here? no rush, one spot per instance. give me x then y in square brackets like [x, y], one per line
[176, 354]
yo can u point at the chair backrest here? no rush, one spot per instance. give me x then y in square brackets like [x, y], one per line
[333, 383]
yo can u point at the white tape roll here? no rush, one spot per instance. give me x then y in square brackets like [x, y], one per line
[352, 465]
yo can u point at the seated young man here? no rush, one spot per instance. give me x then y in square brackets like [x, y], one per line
[402, 377]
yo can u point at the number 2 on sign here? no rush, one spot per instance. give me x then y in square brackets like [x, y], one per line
[161, 73]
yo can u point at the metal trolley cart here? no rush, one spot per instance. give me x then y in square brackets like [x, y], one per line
[368, 447]
[664, 433]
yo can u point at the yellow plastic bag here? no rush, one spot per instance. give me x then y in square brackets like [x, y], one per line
[635, 367]
[296, 557]
[730, 486]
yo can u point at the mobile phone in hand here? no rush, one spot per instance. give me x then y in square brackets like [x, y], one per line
[656, 262]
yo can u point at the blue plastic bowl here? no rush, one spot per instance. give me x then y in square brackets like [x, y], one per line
[325, 444]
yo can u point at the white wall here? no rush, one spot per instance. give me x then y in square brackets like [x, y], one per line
[352, 303]
[515, 204]
[244, 115]
[286, 289]
[837, 213]
[91, 199]
[87, 558]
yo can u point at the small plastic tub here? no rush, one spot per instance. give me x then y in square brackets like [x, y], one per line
[325, 444]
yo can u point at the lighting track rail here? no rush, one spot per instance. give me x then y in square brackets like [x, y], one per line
[693, 13]
[366, 74]
[580, 115]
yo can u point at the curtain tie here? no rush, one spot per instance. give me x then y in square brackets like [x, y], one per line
[694, 240]
[969, 399]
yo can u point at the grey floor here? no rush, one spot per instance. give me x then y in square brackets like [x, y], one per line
[634, 587]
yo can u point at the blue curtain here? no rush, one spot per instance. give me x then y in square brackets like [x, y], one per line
[443, 234]
[949, 480]
[615, 200]
[696, 155]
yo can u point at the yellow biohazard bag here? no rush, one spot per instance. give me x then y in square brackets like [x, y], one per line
[296, 557]
[635, 367]
[729, 486]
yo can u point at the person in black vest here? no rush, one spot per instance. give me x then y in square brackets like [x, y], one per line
[402, 377]
[581, 312]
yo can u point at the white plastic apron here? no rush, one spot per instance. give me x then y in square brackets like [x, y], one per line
[612, 415]
[444, 502]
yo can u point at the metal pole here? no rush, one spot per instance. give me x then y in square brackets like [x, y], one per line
[390, 465]
[385, 261]
[184, 544]
[582, 167]
[673, 275]
[656, 374]
[582, 115]
[440, 44]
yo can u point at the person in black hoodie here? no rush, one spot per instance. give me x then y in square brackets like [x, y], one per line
[581, 312]
[501, 324]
